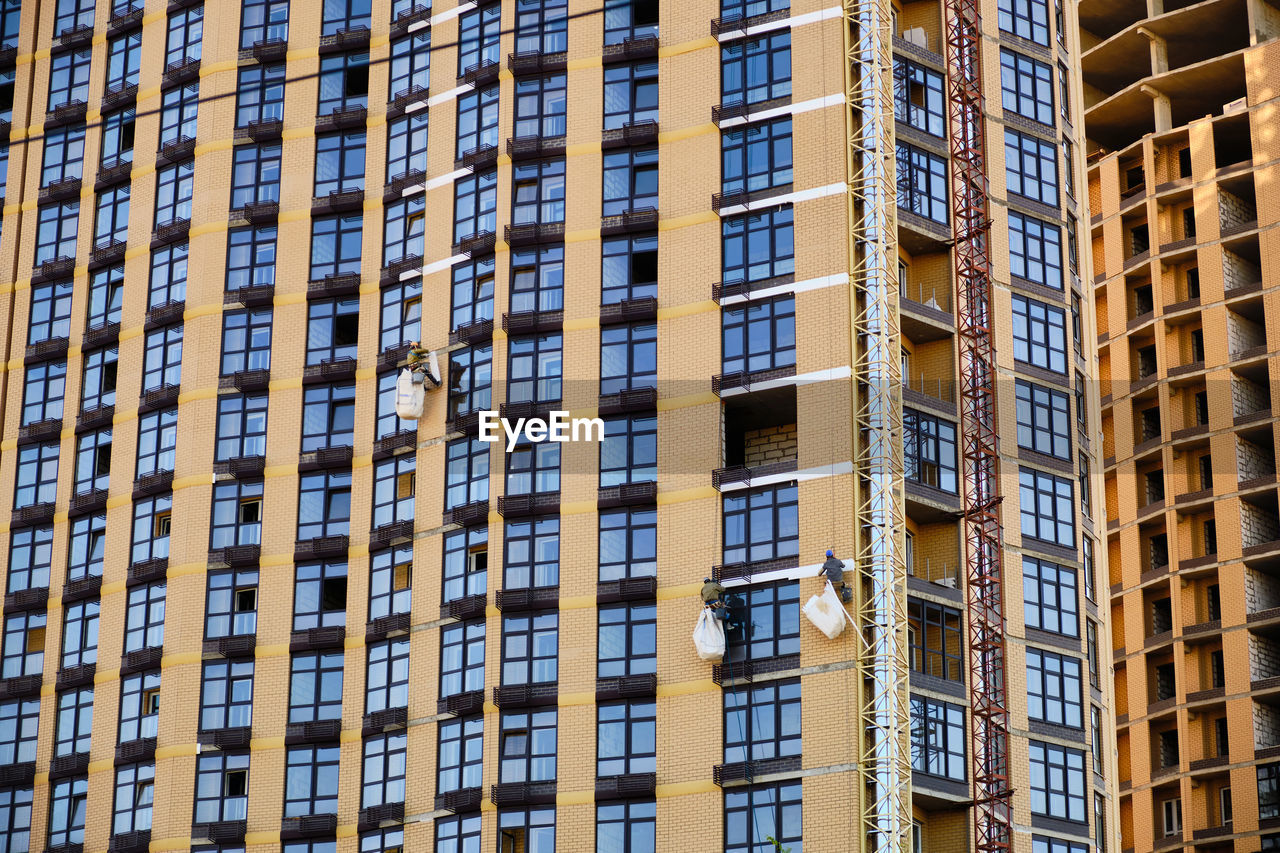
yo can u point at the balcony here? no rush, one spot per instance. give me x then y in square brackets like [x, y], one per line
[235, 646]
[350, 38]
[529, 598]
[321, 547]
[391, 625]
[536, 62]
[631, 134]
[315, 639]
[340, 369]
[535, 147]
[343, 118]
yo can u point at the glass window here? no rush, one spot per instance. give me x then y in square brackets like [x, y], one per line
[320, 595]
[263, 21]
[532, 557]
[627, 640]
[175, 187]
[756, 157]
[30, 558]
[56, 231]
[80, 633]
[1049, 597]
[390, 580]
[43, 391]
[537, 279]
[117, 138]
[24, 642]
[106, 299]
[1026, 86]
[929, 450]
[756, 70]
[628, 357]
[1029, 19]
[93, 462]
[222, 787]
[19, 726]
[1031, 167]
[401, 317]
[762, 722]
[242, 426]
[139, 706]
[626, 737]
[533, 373]
[50, 312]
[393, 489]
[231, 608]
[1048, 509]
[144, 619]
[472, 292]
[628, 543]
[933, 634]
[384, 770]
[756, 814]
[479, 33]
[186, 33]
[69, 75]
[87, 548]
[1035, 250]
[315, 687]
[761, 524]
[111, 218]
[630, 180]
[68, 808]
[538, 192]
[37, 480]
[758, 246]
[922, 183]
[1039, 334]
[333, 327]
[260, 94]
[344, 83]
[1043, 420]
[630, 94]
[919, 97]
[770, 626]
[1044, 844]
[162, 365]
[1268, 791]
[63, 155]
[477, 121]
[533, 468]
[178, 111]
[237, 514]
[410, 64]
[461, 754]
[629, 827]
[527, 750]
[1053, 689]
[328, 416]
[461, 658]
[470, 380]
[1057, 781]
[169, 270]
[540, 106]
[335, 247]
[529, 649]
[387, 676]
[542, 26]
[255, 174]
[462, 834]
[251, 257]
[226, 695]
[759, 336]
[388, 423]
[937, 738]
[403, 231]
[629, 268]
[246, 340]
[466, 472]
[475, 206]
[407, 145]
[344, 15]
[311, 780]
[324, 505]
[339, 163]
[629, 452]
[466, 563]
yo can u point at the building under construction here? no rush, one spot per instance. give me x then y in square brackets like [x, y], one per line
[815, 267]
[1179, 110]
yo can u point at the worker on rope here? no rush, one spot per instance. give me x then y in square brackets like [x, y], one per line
[833, 570]
[711, 597]
[419, 360]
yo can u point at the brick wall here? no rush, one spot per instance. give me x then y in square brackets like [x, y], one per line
[1257, 525]
[1266, 725]
[771, 444]
[1264, 657]
[1233, 210]
[1253, 460]
[1247, 397]
[1237, 272]
[1243, 333]
[1261, 591]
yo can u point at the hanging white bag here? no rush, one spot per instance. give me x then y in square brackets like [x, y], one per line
[826, 612]
[708, 636]
[409, 396]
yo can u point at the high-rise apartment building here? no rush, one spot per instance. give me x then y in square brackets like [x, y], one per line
[248, 607]
[1179, 111]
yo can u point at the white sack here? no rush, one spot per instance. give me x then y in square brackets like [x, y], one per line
[826, 612]
[708, 636]
[409, 396]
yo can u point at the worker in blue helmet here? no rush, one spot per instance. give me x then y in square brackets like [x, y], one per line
[833, 571]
